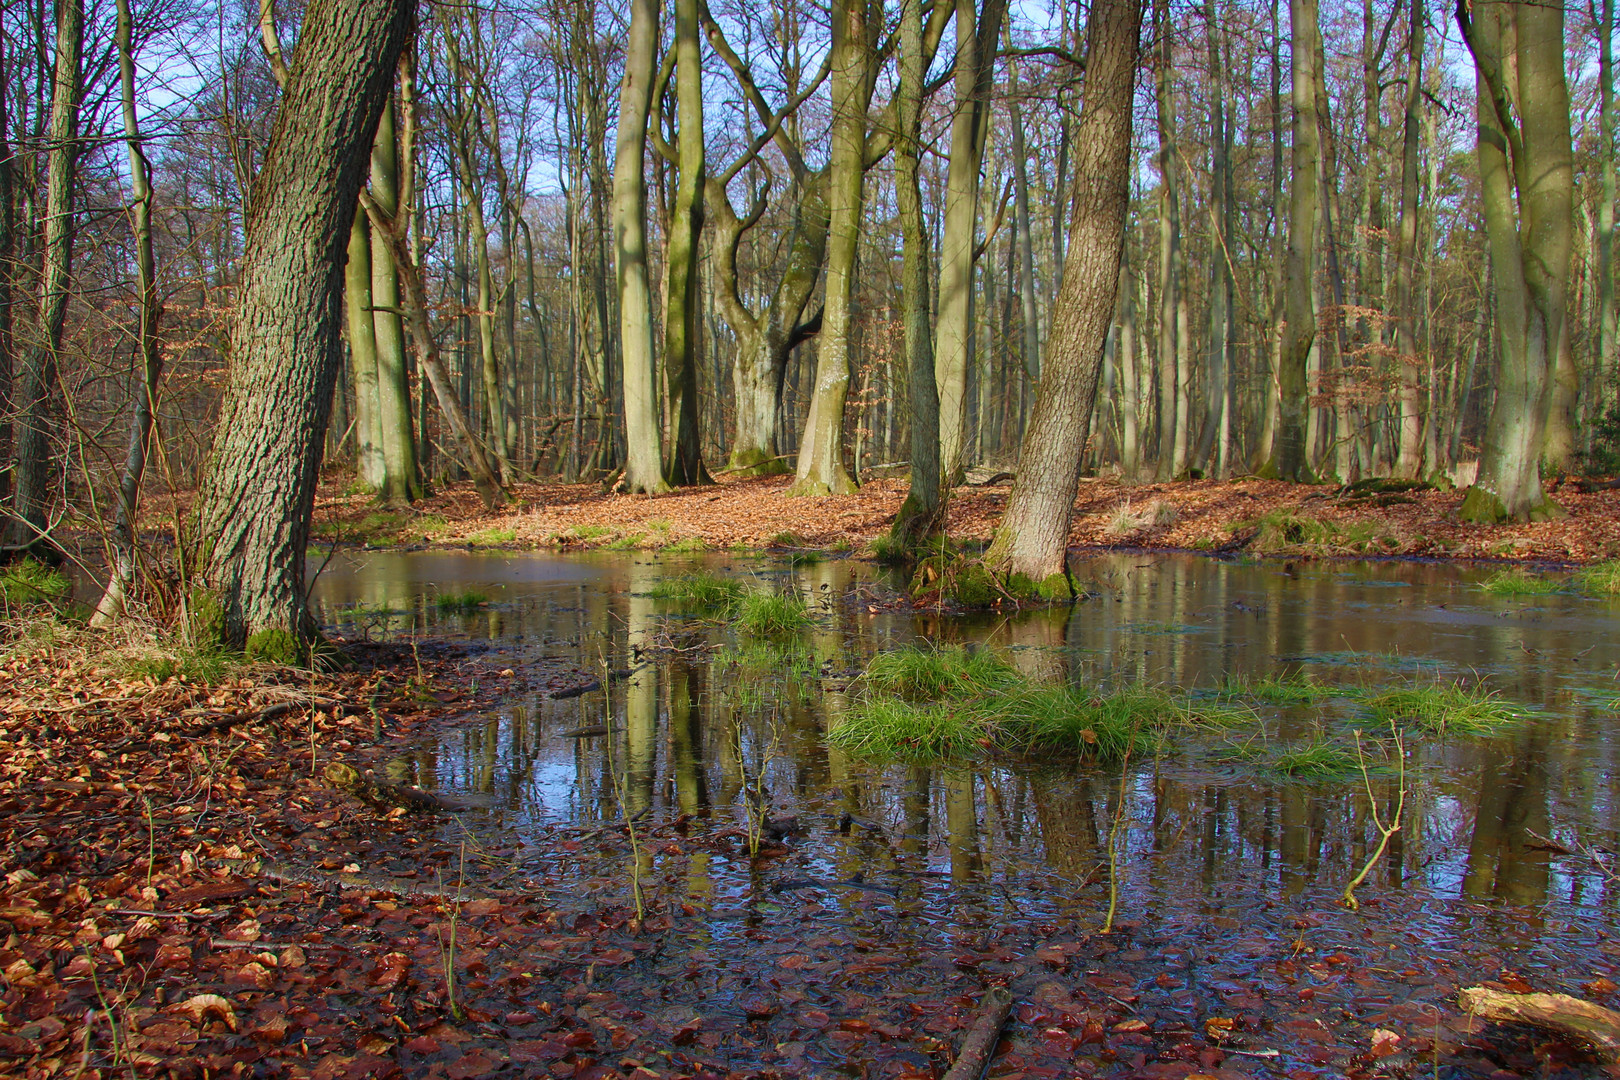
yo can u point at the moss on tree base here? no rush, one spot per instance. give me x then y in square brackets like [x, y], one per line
[1484, 507]
[757, 463]
[970, 583]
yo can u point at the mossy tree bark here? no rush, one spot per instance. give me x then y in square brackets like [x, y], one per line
[644, 466]
[1409, 455]
[402, 480]
[1032, 541]
[31, 460]
[1169, 347]
[1526, 165]
[252, 519]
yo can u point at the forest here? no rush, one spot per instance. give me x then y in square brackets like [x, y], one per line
[1148, 242]
[614, 540]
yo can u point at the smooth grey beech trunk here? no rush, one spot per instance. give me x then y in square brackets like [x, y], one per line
[401, 480]
[643, 467]
[1032, 541]
[251, 525]
[684, 453]
[1526, 163]
[1171, 418]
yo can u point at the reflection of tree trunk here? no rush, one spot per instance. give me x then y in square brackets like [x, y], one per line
[640, 696]
[1068, 823]
[962, 825]
[1509, 806]
[686, 738]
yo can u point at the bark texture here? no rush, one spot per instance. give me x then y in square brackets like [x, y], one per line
[253, 511]
[1032, 541]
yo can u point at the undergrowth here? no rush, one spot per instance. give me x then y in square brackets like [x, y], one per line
[459, 603]
[30, 581]
[702, 592]
[772, 614]
[1602, 579]
[1295, 689]
[1286, 530]
[940, 671]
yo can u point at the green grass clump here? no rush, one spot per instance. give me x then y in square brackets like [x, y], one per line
[786, 539]
[590, 532]
[1295, 689]
[1031, 721]
[1441, 708]
[1319, 757]
[627, 542]
[1602, 579]
[1516, 582]
[686, 544]
[772, 614]
[703, 592]
[200, 667]
[32, 582]
[933, 672]
[459, 603]
[492, 537]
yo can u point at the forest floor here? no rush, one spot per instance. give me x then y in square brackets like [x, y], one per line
[1253, 516]
[182, 895]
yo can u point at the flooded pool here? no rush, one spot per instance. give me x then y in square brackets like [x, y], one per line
[894, 883]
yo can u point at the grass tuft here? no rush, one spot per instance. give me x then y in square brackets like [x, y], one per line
[1602, 579]
[703, 592]
[686, 544]
[1517, 582]
[459, 603]
[492, 537]
[1319, 757]
[1441, 708]
[1285, 530]
[933, 672]
[1295, 689]
[772, 614]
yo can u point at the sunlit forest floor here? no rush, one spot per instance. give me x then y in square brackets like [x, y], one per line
[1249, 516]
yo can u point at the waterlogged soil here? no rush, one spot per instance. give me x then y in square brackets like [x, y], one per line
[186, 897]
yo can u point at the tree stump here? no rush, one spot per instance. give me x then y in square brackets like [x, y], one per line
[1568, 1016]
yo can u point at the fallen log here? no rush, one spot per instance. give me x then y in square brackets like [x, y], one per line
[980, 1044]
[1568, 1016]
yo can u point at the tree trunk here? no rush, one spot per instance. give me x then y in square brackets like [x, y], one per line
[681, 312]
[1608, 350]
[144, 395]
[1169, 346]
[1032, 541]
[1527, 180]
[1409, 458]
[821, 468]
[922, 514]
[401, 478]
[32, 451]
[644, 468]
[1207, 455]
[358, 304]
[253, 510]
[976, 40]
[1290, 460]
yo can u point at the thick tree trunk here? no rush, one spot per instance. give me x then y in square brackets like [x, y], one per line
[31, 463]
[1290, 460]
[1527, 172]
[253, 510]
[8, 247]
[821, 468]
[1208, 453]
[1608, 351]
[644, 467]
[144, 395]
[1033, 538]
[681, 312]
[976, 39]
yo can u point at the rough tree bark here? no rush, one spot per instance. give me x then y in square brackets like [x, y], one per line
[252, 520]
[1031, 545]
[1169, 345]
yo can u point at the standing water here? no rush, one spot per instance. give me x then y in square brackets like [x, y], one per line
[815, 903]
